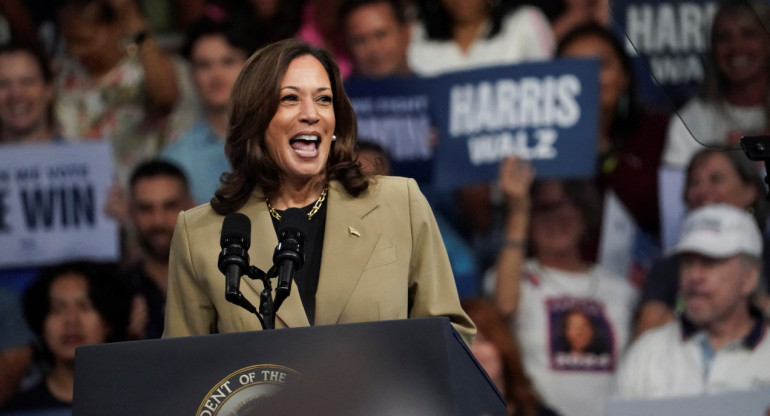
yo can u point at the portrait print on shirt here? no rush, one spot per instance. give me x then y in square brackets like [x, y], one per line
[580, 335]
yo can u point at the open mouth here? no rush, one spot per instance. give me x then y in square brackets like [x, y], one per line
[305, 144]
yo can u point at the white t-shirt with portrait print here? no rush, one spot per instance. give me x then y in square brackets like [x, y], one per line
[573, 384]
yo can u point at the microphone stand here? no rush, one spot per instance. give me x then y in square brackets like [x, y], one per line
[266, 313]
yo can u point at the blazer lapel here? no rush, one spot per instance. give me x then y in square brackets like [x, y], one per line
[263, 242]
[348, 244]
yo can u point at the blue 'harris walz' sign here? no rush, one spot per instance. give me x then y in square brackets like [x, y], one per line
[544, 112]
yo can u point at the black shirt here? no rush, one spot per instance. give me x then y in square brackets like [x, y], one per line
[307, 276]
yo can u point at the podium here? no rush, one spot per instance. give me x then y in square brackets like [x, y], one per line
[404, 367]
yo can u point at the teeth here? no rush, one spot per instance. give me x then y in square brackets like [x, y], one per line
[307, 137]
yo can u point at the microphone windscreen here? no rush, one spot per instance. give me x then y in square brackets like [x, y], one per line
[236, 229]
[293, 218]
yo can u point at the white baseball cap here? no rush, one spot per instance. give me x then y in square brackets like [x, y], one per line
[720, 231]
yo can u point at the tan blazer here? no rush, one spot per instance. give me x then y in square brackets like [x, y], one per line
[383, 258]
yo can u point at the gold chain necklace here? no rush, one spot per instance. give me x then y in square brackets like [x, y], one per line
[310, 214]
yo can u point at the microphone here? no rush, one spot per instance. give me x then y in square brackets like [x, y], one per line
[289, 255]
[234, 258]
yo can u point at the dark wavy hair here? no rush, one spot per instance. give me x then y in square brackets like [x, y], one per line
[108, 290]
[438, 22]
[253, 104]
[518, 389]
[234, 30]
[599, 343]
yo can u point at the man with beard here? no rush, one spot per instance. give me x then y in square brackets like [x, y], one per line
[719, 343]
[158, 191]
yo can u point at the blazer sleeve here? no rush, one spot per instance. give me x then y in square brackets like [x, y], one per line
[189, 310]
[432, 290]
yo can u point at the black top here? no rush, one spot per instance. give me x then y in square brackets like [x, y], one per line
[307, 276]
[37, 398]
[156, 300]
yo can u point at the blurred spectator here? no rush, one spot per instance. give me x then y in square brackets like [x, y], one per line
[269, 20]
[735, 95]
[629, 143]
[320, 28]
[719, 344]
[71, 305]
[26, 95]
[158, 192]
[15, 345]
[454, 35]
[497, 350]
[712, 177]
[542, 293]
[216, 50]
[118, 85]
[377, 34]
[26, 116]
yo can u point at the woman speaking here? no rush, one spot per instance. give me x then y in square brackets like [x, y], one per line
[372, 248]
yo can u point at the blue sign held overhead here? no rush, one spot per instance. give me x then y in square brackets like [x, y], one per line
[544, 112]
[395, 113]
[669, 41]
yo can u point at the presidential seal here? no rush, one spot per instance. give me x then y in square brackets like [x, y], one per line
[242, 392]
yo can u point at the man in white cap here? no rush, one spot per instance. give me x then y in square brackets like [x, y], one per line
[719, 343]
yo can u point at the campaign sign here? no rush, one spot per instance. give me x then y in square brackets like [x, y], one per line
[52, 200]
[670, 39]
[394, 113]
[543, 112]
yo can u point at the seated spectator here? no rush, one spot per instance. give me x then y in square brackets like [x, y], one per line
[216, 50]
[26, 96]
[158, 191]
[71, 305]
[719, 343]
[541, 294]
[712, 177]
[497, 350]
[15, 345]
[116, 84]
